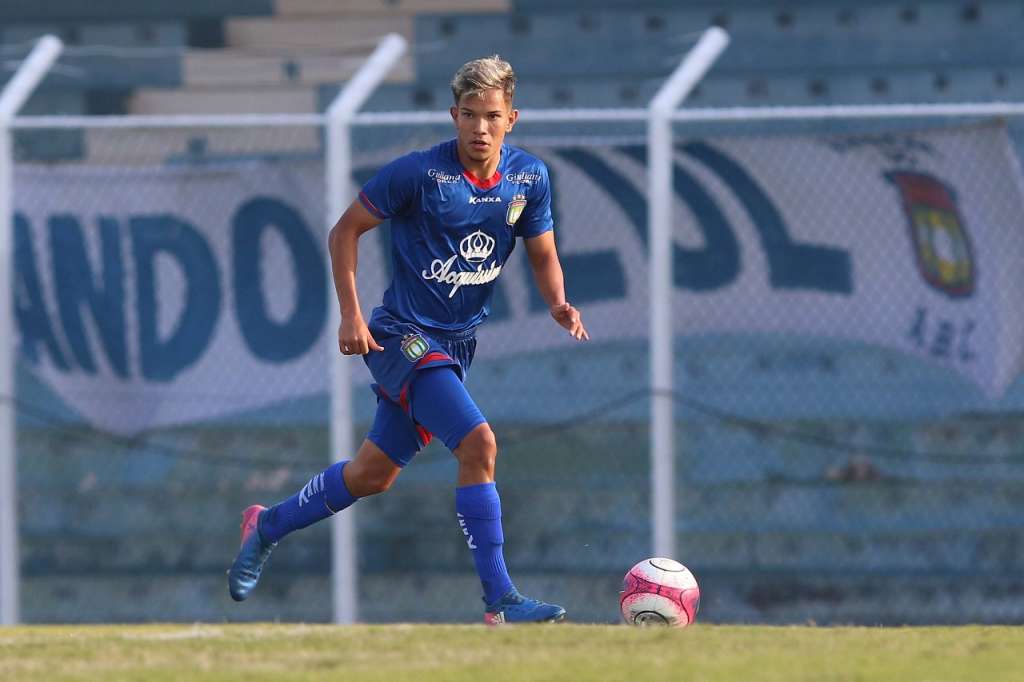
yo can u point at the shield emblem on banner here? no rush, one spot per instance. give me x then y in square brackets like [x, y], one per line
[942, 245]
[515, 209]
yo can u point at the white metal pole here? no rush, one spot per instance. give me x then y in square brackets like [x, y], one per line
[715, 115]
[659, 169]
[8, 451]
[340, 193]
[14, 95]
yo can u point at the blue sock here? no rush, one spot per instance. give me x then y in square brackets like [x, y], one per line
[324, 495]
[479, 510]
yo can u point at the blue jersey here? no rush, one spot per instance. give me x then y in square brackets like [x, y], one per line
[451, 233]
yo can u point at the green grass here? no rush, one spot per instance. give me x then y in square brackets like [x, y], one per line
[561, 652]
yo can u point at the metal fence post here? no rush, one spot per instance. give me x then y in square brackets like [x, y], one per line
[14, 95]
[659, 160]
[344, 567]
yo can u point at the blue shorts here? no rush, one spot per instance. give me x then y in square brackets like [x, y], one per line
[419, 385]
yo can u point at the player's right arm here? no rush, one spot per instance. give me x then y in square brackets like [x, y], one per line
[354, 336]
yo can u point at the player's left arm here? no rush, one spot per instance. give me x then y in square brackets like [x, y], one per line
[547, 272]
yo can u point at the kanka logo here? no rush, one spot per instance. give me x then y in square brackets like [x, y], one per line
[465, 531]
[315, 485]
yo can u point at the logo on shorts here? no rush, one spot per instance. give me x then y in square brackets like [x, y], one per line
[414, 347]
[515, 209]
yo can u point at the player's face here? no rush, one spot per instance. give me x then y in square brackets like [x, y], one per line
[482, 123]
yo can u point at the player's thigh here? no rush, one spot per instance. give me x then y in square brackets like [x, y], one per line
[394, 433]
[441, 403]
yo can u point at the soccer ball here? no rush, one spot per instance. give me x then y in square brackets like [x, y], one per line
[659, 591]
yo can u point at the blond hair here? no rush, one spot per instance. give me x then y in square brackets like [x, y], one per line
[480, 75]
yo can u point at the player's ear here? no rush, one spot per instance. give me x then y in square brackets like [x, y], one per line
[512, 118]
[454, 111]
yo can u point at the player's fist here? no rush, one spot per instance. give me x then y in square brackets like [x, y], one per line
[569, 318]
[354, 337]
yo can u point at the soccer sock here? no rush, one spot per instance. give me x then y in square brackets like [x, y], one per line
[479, 510]
[324, 495]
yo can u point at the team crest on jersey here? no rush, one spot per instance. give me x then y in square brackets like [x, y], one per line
[515, 209]
[414, 347]
[942, 245]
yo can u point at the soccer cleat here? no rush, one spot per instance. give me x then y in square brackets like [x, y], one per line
[515, 608]
[245, 572]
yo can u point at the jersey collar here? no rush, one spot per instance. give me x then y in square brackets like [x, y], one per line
[483, 184]
[487, 183]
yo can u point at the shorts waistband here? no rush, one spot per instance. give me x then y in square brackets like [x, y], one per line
[383, 317]
[447, 335]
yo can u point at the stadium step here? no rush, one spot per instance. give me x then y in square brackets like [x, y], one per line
[232, 69]
[303, 34]
[291, 100]
[142, 146]
[299, 8]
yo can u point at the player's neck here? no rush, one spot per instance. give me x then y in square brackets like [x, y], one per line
[481, 170]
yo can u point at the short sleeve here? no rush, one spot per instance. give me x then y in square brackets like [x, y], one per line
[391, 191]
[536, 217]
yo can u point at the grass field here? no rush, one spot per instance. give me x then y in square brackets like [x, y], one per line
[561, 652]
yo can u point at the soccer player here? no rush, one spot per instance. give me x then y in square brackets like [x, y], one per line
[456, 210]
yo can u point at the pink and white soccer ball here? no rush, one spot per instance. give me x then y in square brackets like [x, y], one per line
[659, 591]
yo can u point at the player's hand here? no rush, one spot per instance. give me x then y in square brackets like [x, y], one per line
[354, 337]
[569, 318]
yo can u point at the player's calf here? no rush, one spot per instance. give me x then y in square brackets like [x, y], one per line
[323, 495]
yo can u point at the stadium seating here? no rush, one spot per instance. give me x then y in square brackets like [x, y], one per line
[47, 145]
[161, 33]
[73, 11]
[599, 55]
[566, 55]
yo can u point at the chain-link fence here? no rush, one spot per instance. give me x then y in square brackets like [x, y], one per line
[171, 304]
[847, 405]
[848, 353]
[849, 399]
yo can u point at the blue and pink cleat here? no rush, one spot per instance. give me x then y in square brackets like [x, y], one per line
[245, 572]
[515, 608]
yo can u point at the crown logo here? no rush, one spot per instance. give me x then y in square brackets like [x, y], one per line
[476, 247]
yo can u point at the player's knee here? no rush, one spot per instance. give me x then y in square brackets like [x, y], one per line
[378, 484]
[364, 480]
[479, 448]
[365, 483]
